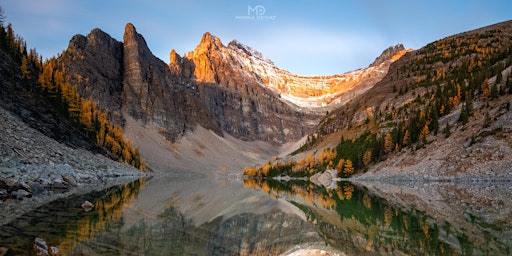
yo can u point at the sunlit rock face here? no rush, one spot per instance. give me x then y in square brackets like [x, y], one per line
[253, 99]
[212, 59]
[126, 78]
[151, 92]
[231, 89]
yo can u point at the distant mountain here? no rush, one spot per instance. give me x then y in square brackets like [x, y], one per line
[454, 59]
[213, 60]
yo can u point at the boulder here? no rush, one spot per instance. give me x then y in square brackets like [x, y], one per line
[87, 206]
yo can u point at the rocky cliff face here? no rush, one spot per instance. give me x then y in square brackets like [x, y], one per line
[127, 78]
[232, 89]
[95, 64]
[152, 93]
[238, 101]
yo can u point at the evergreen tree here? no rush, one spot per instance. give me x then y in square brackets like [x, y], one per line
[463, 117]
[495, 91]
[434, 117]
[499, 76]
[447, 130]
[25, 69]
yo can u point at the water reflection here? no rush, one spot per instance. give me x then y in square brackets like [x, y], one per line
[193, 214]
[175, 234]
[63, 223]
[390, 220]
[201, 216]
[167, 215]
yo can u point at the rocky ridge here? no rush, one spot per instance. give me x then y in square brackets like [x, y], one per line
[211, 58]
[125, 78]
[232, 89]
[170, 96]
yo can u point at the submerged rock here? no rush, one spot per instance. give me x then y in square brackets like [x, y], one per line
[40, 247]
[87, 206]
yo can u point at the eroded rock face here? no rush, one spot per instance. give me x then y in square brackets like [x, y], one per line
[232, 89]
[153, 93]
[127, 78]
[95, 64]
[235, 96]
[388, 54]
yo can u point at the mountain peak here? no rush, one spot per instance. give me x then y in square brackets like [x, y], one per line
[130, 28]
[390, 54]
[174, 57]
[208, 43]
[248, 51]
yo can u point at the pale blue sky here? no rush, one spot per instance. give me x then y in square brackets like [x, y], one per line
[305, 37]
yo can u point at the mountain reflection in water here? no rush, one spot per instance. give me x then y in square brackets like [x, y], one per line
[194, 214]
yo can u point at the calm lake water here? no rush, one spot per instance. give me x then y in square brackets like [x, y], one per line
[196, 214]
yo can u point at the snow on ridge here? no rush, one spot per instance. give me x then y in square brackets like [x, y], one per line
[303, 91]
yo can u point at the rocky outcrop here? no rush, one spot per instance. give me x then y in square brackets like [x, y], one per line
[391, 53]
[153, 94]
[329, 179]
[95, 65]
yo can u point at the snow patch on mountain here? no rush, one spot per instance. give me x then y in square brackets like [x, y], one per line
[307, 91]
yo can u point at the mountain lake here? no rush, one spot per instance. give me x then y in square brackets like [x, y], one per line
[185, 213]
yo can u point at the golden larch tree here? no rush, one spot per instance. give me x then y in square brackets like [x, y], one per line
[367, 157]
[349, 168]
[339, 166]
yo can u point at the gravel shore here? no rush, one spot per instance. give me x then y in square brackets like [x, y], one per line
[35, 169]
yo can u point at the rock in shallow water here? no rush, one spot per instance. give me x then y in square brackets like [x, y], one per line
[87, 206]
[40, 246]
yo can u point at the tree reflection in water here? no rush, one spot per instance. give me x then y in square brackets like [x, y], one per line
[64, 224]
[368, 224]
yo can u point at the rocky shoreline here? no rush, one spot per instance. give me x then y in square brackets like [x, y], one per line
[35, 169]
